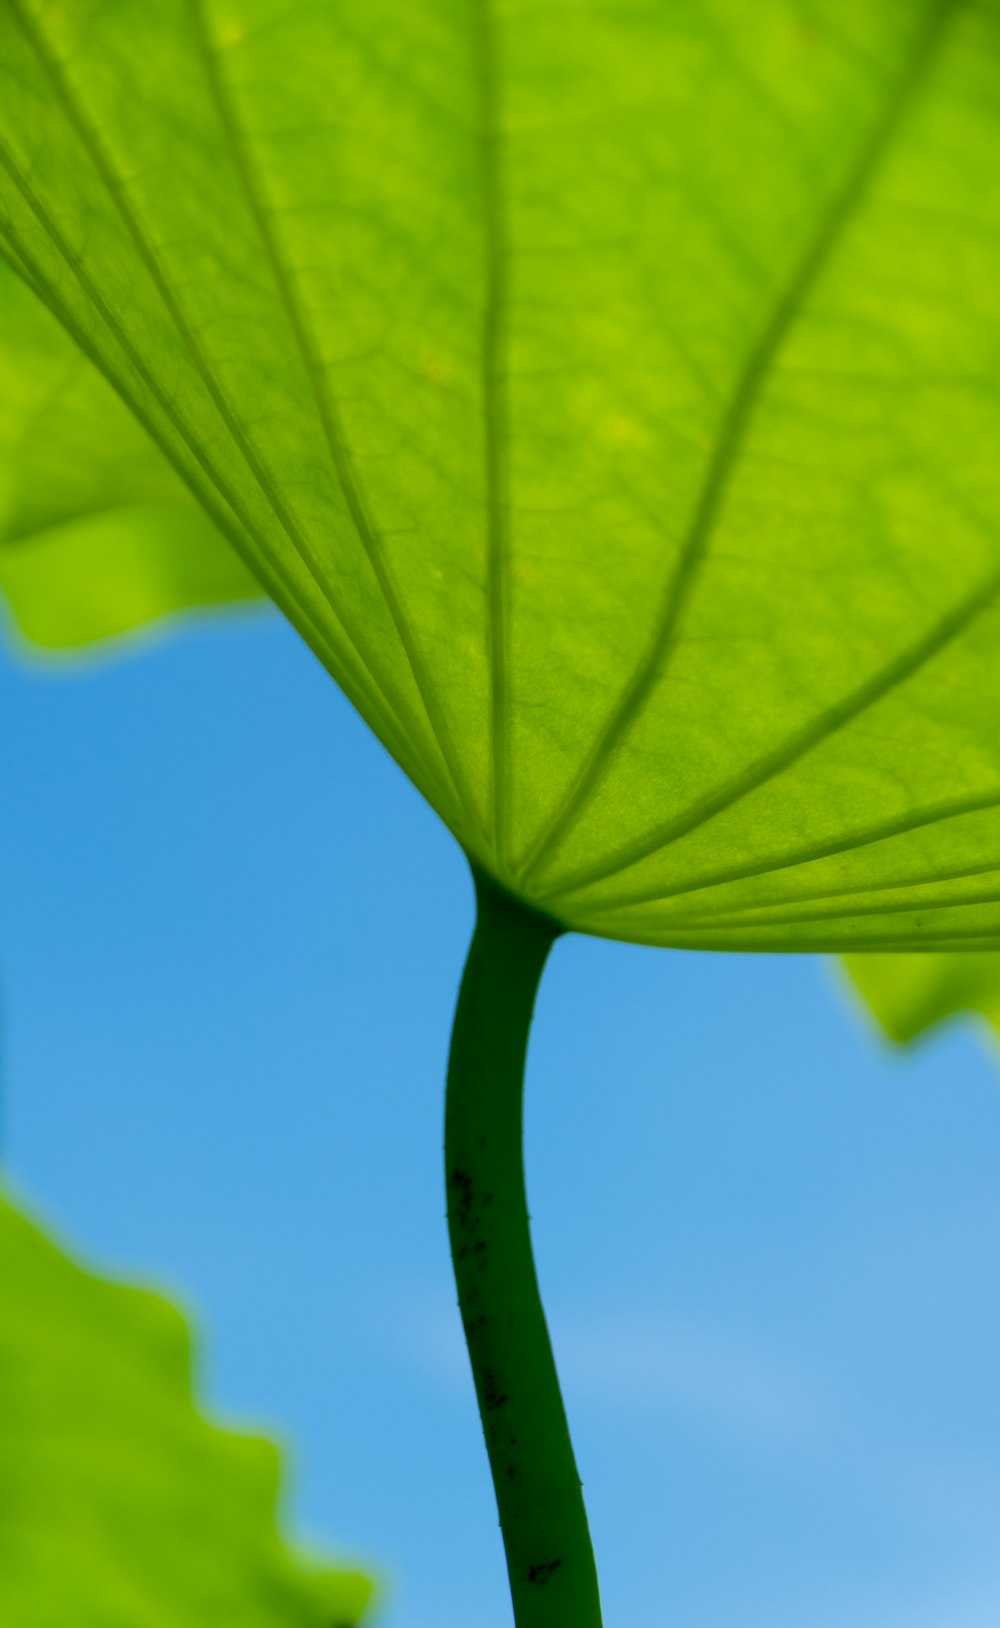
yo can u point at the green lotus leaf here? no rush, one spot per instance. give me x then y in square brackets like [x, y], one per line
[609, 395]
[98, 534]
[120, 1505]
[910, 994]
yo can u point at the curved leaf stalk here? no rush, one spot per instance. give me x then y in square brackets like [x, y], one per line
[550, 1560]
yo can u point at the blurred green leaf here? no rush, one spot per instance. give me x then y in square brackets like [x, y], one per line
[910, 994]
[120, 1505]
[98, 535]
[611, 397]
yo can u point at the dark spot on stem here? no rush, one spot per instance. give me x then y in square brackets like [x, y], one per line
[493, 1396]
[540, 1574]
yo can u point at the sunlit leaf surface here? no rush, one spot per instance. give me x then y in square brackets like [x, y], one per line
[610, 395]
[98, 535]
[120, 1505]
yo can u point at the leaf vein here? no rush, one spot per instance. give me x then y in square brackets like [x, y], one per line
[263, 563]
[827, 723]
[326, 405]
[105, 170]
[922, 819]
[738, 417]
[495, 427]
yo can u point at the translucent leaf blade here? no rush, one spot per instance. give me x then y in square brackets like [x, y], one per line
[609, 395]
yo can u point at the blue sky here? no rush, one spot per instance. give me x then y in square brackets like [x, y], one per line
[231, 939]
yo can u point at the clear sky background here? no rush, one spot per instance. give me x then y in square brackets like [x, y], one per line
[230, 940]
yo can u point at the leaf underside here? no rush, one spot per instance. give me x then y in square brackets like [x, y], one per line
[120, 1505]
[609, 395]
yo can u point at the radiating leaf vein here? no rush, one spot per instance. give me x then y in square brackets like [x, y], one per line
[326, 406]
[729, 445]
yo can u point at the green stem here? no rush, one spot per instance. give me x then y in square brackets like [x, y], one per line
[549, 1556]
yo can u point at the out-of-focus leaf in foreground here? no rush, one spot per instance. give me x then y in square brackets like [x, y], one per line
[98, 535]
[120, 1505]
[910, 994]
[610, 395]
